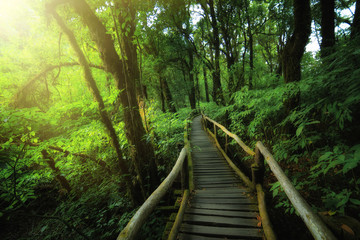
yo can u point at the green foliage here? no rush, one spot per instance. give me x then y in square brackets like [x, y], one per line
[323, 126]
[167, 133]
[338, 161]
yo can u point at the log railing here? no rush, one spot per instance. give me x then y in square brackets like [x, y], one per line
[187, 180]
[183, 165]
[313, 222]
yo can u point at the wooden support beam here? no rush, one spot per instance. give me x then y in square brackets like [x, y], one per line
[179, 217]
[226, 143]
[189, 158]
[257, 168]
[265, 220]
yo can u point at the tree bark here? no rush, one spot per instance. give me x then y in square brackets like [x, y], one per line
[251, 51]
[218, 96]
[162, 97]
[295, 47]
[192, 97]
[168, 96]
[142, 152]
[355, 27]
[96, 93]
[206, 85]
[327, 27]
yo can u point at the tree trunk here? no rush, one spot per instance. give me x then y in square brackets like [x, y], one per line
[95, 91]
[192, 97]
[162, 98]
[295, 47]
[355, 27]
[218, 96]
[292, 54]
[206, 85]
[327, 27]
[168, 96]
[142, 153]
[126, 19]
[251, 49]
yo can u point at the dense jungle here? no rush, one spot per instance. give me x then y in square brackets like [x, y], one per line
[95, 95]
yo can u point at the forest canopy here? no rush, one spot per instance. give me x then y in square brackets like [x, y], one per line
[95, 95]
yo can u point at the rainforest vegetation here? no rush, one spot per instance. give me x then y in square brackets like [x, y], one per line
[95, 95]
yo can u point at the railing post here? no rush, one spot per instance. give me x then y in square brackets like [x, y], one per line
[257, 168]
[184, 175]
[226, 143]
[214, 130]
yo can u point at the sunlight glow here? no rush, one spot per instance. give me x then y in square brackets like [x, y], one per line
[13, 17]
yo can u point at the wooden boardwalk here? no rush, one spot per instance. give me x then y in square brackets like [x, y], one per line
[220, 208]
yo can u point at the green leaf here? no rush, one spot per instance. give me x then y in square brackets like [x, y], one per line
[43, 228]
[355, 201]
[299, 130]
[350, 165]
[325, 156]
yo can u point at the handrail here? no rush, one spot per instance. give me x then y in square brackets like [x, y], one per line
[188, 181]
[316, 226]
[313, 222]
[234, 136]
[134, 225]
[190, 163]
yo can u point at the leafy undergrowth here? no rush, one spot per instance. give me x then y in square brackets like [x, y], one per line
[317, 144]
[33, 205]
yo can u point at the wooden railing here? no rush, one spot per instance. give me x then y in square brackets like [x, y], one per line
[187, 179]
[313, 222]
[183, 165]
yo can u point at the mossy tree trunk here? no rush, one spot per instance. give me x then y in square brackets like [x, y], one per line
[124, 73]
[90, 81]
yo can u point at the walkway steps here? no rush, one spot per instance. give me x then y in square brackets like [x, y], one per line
[220, 207]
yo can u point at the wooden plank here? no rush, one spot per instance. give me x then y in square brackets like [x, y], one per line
[219, 177]
[211, 231]
[223, 200]
[250, 208]
[211, 177]
[224, 213]
[228, 171]
[212, 162]
[216, 180]
[224, 168]
[223, 196]
[222, 191]
[218, 185]
[219, 221]
[214, 165]
[184, 236]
